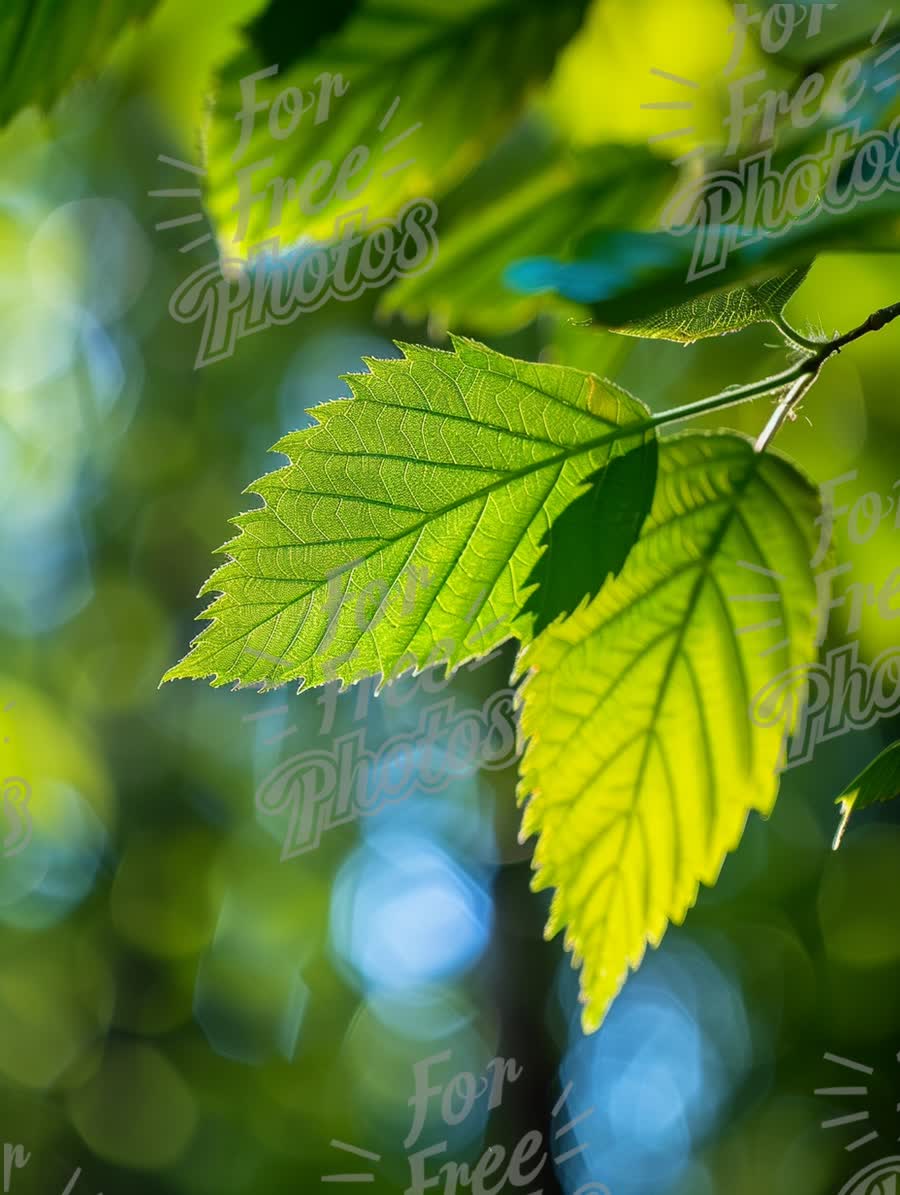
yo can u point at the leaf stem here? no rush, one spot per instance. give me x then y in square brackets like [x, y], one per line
[733, 396]
[805, 371]
[796, 338]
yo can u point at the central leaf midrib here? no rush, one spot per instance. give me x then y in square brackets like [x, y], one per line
[623, 431]
[705, 565]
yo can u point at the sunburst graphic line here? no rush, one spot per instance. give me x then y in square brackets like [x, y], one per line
[765, 598]
[355, 1149]
[850, 1118]
[567, 1128]
[181, 193]
[389, 115]
[179, 221]
[207, 236]
[562, 1099]
[885, 21]
[860, 1142]
[364, 1177]
[770, 651]
[284, 734]
[760, 626]
[579, 1149]
[885, 84]
[850, 1064]
[680, 79]
[685, 132]
[691, 156]
[757, 568]
[179, 165]
[879, 87]
[397, 169]
[838, 1121]
[413, 128]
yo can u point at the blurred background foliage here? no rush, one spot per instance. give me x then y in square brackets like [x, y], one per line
[182, 1012]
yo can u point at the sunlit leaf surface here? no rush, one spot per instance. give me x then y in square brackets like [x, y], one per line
[642, 760]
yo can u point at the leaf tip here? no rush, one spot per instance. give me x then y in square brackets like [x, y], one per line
[846, 813]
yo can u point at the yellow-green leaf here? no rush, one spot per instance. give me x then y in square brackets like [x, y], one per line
[642, 760]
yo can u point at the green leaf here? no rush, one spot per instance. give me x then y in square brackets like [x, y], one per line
[842, 31]
[880, 781]
[446, 76]
[408, 523]
[166, 65]
[591, 539]
[642, 760]
[722, 312]
[625, 276]
[45, 45]
[556, 198]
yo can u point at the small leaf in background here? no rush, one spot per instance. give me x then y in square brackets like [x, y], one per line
[591, 539]
[388, 73]
[642, 761]
[723, 312]
[164, 63]
[880, 781]
[625, 276]
[407, 525]
[46, 45]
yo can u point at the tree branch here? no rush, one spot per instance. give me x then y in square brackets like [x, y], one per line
[876, 321]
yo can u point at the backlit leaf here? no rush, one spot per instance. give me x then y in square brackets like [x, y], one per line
[409, 521]
[626, 276]
[45, 45]
[722, 312]
[642, 761]
[418, 89]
